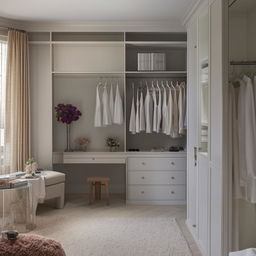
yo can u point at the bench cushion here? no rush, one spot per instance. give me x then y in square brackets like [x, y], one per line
[52, 178]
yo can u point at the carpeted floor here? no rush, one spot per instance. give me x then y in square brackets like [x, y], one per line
[116, 230]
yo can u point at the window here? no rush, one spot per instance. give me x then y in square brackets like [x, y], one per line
[3, 66]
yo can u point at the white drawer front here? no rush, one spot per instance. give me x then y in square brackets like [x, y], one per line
[148, 192]
[156, 164]
[157, 178]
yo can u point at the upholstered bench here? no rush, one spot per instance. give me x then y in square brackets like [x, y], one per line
[55, 187]
[30, 245]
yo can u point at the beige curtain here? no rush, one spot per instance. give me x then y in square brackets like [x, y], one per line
[17, 121]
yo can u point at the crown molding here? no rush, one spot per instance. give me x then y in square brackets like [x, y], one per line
[108, 26]
[192, 11]
[95, 26]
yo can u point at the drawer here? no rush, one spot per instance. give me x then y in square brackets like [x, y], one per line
[150, 193]
[157, 178]
[156, 164]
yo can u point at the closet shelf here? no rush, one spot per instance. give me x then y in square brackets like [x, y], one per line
[180, 44]
[88, 42]
[94, 73]
[156, 73]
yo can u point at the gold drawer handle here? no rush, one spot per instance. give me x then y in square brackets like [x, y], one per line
[173, 192]
[143, 163]
[142, 192]
[93, 158]
[172, 163]
[143, 177]
[173, 178]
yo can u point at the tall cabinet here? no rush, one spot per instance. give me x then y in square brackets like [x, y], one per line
[205, 107]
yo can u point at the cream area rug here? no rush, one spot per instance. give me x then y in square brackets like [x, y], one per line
[117, 236]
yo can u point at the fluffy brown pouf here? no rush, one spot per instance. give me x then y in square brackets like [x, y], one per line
[30, 245]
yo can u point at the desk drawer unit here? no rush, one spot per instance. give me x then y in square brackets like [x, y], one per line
[156, 180]
[154, 163]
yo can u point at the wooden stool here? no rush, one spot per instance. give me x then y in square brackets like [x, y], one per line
[97, 182]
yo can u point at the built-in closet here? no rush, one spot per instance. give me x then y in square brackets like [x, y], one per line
[205, 177]
[149, 167]
[242, 124]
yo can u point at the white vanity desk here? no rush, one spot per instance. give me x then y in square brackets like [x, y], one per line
[151, 177]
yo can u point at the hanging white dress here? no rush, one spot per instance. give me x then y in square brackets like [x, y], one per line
[164, 112]
[142, 113]
[159, 110]
[137, 117]
[111, 103]
[154, 128]
[97, 115]
[247, 124]
[175, 123]
[132, 124]
[118, 108]
[148, 111]
[180, 109]
[106, 119]
[184, 106]
[170, 112]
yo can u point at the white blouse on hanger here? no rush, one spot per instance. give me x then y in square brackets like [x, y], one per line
[148, 111]
[159, 109]
[105, 104]
[111, 103]
[137, 117]
[181, 110]
[154, 128]
[175, 124]
[142, 113]
[97, 115]
[132, 124]
[170, 113]
[118, 108]
[164, 112]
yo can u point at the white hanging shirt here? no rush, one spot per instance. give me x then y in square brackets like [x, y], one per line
[170, 113]
[164, 112]
[154, 128]
[111, 103]
[106, 120]
[247, 138]
[132, 124]
[118, 108]
[142, 113]
[148, 111]
[97, 115]
[175, 124]
[137, 117]
[159, 110]
[180, 110]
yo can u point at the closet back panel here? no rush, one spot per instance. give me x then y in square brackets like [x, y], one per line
[39, 36]
[147, 36]
[88, 58]
[87, 36]
[81, 92]
[144, 141]
[175, 57]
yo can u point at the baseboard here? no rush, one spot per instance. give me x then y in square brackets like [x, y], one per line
[190, 228]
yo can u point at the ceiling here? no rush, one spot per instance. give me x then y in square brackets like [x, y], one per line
[95, 10]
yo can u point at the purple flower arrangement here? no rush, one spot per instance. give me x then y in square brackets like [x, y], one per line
[67, 113]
